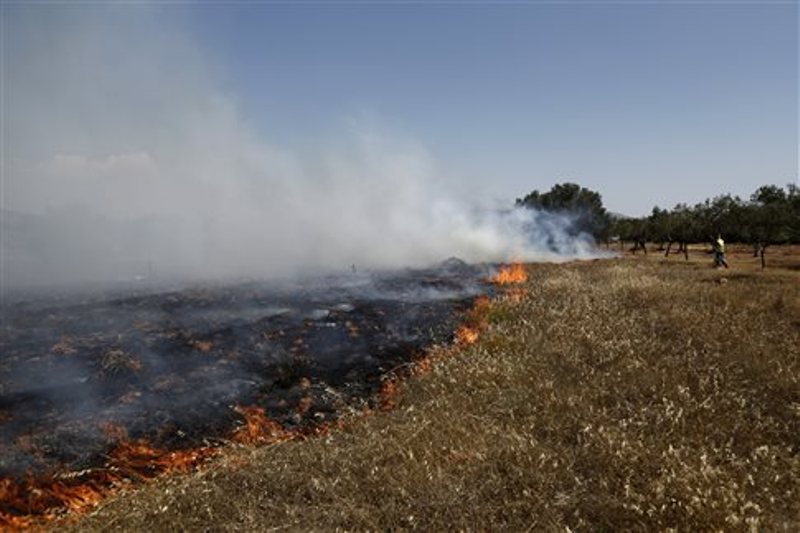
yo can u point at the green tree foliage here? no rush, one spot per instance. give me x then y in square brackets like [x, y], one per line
[583, 205]
[770, 216]
[793, 201]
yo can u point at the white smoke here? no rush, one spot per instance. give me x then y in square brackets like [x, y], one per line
[122, 156]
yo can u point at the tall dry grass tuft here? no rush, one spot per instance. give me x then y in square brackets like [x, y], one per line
[616, 394]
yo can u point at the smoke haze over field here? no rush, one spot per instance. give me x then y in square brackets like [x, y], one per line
[124, 155]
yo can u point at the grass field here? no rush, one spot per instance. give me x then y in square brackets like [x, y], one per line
[633, 393]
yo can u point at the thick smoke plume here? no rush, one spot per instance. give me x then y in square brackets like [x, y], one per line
[124, 158]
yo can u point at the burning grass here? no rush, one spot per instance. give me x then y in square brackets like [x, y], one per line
[510, 274]
[631, 394]
[316, 364]
[474, 322]
[48, 497]
[258, 428]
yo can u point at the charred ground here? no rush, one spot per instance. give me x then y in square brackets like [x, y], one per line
[641, 393]
[181, 369]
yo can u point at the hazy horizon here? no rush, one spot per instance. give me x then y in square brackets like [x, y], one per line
[243, 139]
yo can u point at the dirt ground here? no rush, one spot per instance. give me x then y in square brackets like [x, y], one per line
[634, 393]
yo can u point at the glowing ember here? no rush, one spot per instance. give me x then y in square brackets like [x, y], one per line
[390, 389]
[12, 522]
[510, 274]
[203, 346]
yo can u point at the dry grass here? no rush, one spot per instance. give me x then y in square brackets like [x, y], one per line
[625, 394]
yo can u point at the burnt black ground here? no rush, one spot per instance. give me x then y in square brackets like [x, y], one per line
[172, 366]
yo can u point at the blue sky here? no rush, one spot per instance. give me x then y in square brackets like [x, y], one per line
[649, 104]
[255, 138]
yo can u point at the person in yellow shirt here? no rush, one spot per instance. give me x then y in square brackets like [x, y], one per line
[719, 253]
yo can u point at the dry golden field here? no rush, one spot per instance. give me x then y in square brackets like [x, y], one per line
[642, 393]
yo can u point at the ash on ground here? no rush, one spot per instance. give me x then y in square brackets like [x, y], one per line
[79, 373]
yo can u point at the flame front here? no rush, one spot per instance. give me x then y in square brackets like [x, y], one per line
[474, 322]
[466, 335]
[28, 502]
[47, 497]
[23, 500]
[139, 459]
[510, 274]
[258, 428]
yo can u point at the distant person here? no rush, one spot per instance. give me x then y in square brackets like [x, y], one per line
[719, 253]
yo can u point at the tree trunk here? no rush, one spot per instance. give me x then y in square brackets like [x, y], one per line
[763, 261]
[685, 251]
[669, 245]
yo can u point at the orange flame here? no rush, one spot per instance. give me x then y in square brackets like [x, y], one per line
[76, 497]
[475, 321]
[466, 335]
[258, 428]
[11, 522]
[22, 501]
[510, 274]
[479, 308]
[138, 459]
[390, 390]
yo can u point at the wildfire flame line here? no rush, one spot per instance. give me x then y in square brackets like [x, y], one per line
[475, 321]
[466, 334]
[258, 428]
[21, 501]
[510, 274]
[24, 502]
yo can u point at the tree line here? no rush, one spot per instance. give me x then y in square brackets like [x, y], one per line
[769, 217]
